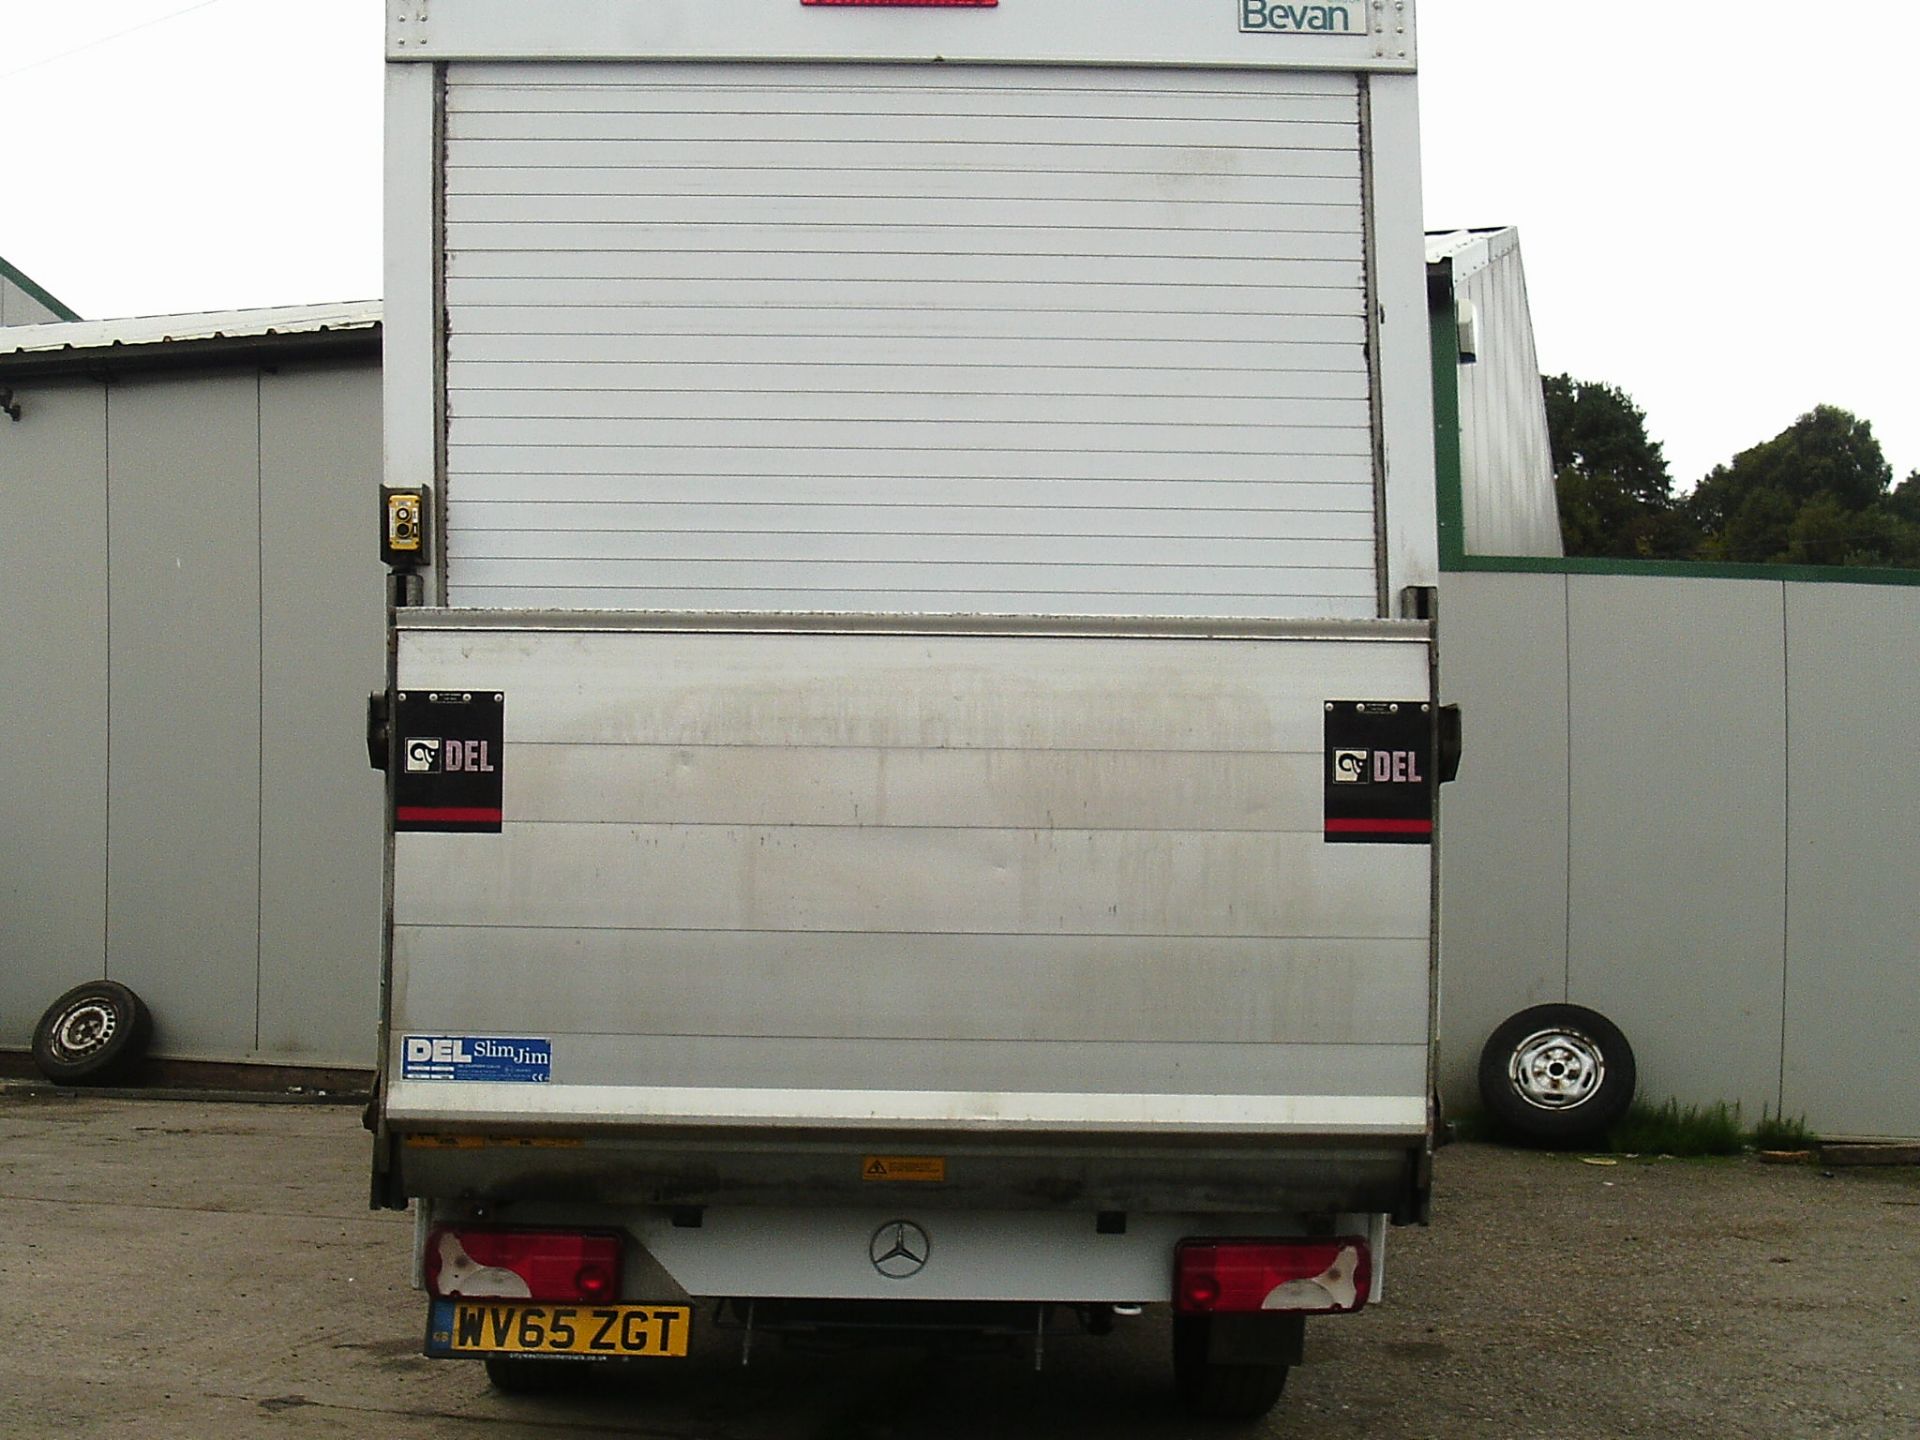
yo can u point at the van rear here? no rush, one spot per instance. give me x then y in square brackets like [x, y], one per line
[911, 733]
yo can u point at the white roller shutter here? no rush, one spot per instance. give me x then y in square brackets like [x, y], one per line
[907, 339]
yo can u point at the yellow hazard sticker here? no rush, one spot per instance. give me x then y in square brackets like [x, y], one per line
[926, 1169]
[490, 1142]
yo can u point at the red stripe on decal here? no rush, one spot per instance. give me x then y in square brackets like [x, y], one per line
[1379, 827]
[447, 813]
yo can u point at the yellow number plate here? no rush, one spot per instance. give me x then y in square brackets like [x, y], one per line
[496, 1327]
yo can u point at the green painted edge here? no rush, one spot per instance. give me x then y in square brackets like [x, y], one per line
[1678, 569]
[1449, 479]
[33, 288]
[1450, 505]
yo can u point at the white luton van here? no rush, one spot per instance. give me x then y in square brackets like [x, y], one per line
[911, 732]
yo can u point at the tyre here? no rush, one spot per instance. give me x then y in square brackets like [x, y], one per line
[518, 1375]
[1557, 1075]
[1217, 1391]
[91, 1035]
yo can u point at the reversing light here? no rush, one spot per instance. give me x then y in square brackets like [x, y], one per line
[1236, 1277]
[554, 1265]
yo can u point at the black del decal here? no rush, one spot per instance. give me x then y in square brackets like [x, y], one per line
[448, 775]
[1379, 772]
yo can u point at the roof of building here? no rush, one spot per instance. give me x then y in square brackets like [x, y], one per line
[213, 337]
[1466, 252]
[27, 283]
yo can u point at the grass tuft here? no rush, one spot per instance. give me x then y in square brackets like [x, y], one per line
[1777, 1132]
[1670, 1130]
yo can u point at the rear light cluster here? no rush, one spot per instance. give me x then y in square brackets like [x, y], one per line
[563, 1265]
[1235, 1277]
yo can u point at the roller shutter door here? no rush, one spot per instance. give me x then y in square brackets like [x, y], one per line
[907, 339]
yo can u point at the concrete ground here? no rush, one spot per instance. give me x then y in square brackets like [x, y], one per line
[174, 1268]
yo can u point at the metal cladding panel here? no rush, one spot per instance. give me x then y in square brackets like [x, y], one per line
[1352, 35]
[1678, 797]
[938, 864]
[53, 726]
[1510, 507]
[1852, 1063]
[321, 621]
[184, 839]
[1503, 856]
[904, 339]
[19, 307]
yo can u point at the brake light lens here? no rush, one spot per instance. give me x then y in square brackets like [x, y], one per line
[523, 1264]
[1233, 1277]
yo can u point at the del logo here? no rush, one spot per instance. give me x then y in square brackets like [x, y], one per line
[1381, 767]
[475, 1057]
[441, 1050]
[449, 757]
[1275, 17]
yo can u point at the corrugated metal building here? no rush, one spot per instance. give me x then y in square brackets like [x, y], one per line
[1687, 789]
[195, 617]
[1508, 505]
[1683, 802]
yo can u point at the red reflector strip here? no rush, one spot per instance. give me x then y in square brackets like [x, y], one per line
[1379, 827]
[547, 1265]
[969, 4]
[446, 814]
[1241, 1277]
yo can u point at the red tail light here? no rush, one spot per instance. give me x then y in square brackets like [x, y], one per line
[523, 1264]
[1229, 1277]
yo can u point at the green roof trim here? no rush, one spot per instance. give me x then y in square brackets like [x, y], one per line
[1449, 477]
[61, 311]
[1450, 504]
[1678, 569]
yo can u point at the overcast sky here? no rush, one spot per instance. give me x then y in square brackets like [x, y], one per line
[1717, 202]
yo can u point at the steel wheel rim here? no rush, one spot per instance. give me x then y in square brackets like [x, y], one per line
[1557, 1070]
[86, 1029]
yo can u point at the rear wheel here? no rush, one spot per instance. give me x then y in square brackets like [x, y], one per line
[1217, 1390]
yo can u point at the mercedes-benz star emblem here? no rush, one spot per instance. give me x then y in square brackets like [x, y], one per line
[899, 1249]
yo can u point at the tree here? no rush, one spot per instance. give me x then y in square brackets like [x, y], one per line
[1615, 492]
[1905, 501]
[1815, 494]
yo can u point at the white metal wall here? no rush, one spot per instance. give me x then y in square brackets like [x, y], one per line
[901, 339]
[977, 864]
[195, 612]
[1687, 803]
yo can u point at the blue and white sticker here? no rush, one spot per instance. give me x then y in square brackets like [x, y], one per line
[494, 1058]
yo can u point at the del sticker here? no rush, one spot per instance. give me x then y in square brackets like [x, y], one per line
[495, 1058]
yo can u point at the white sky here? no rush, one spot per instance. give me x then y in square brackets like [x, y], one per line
[1717, 202]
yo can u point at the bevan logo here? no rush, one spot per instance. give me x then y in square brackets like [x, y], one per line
[1276, 17]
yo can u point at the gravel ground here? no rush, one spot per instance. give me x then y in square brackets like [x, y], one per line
[173, 1268]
